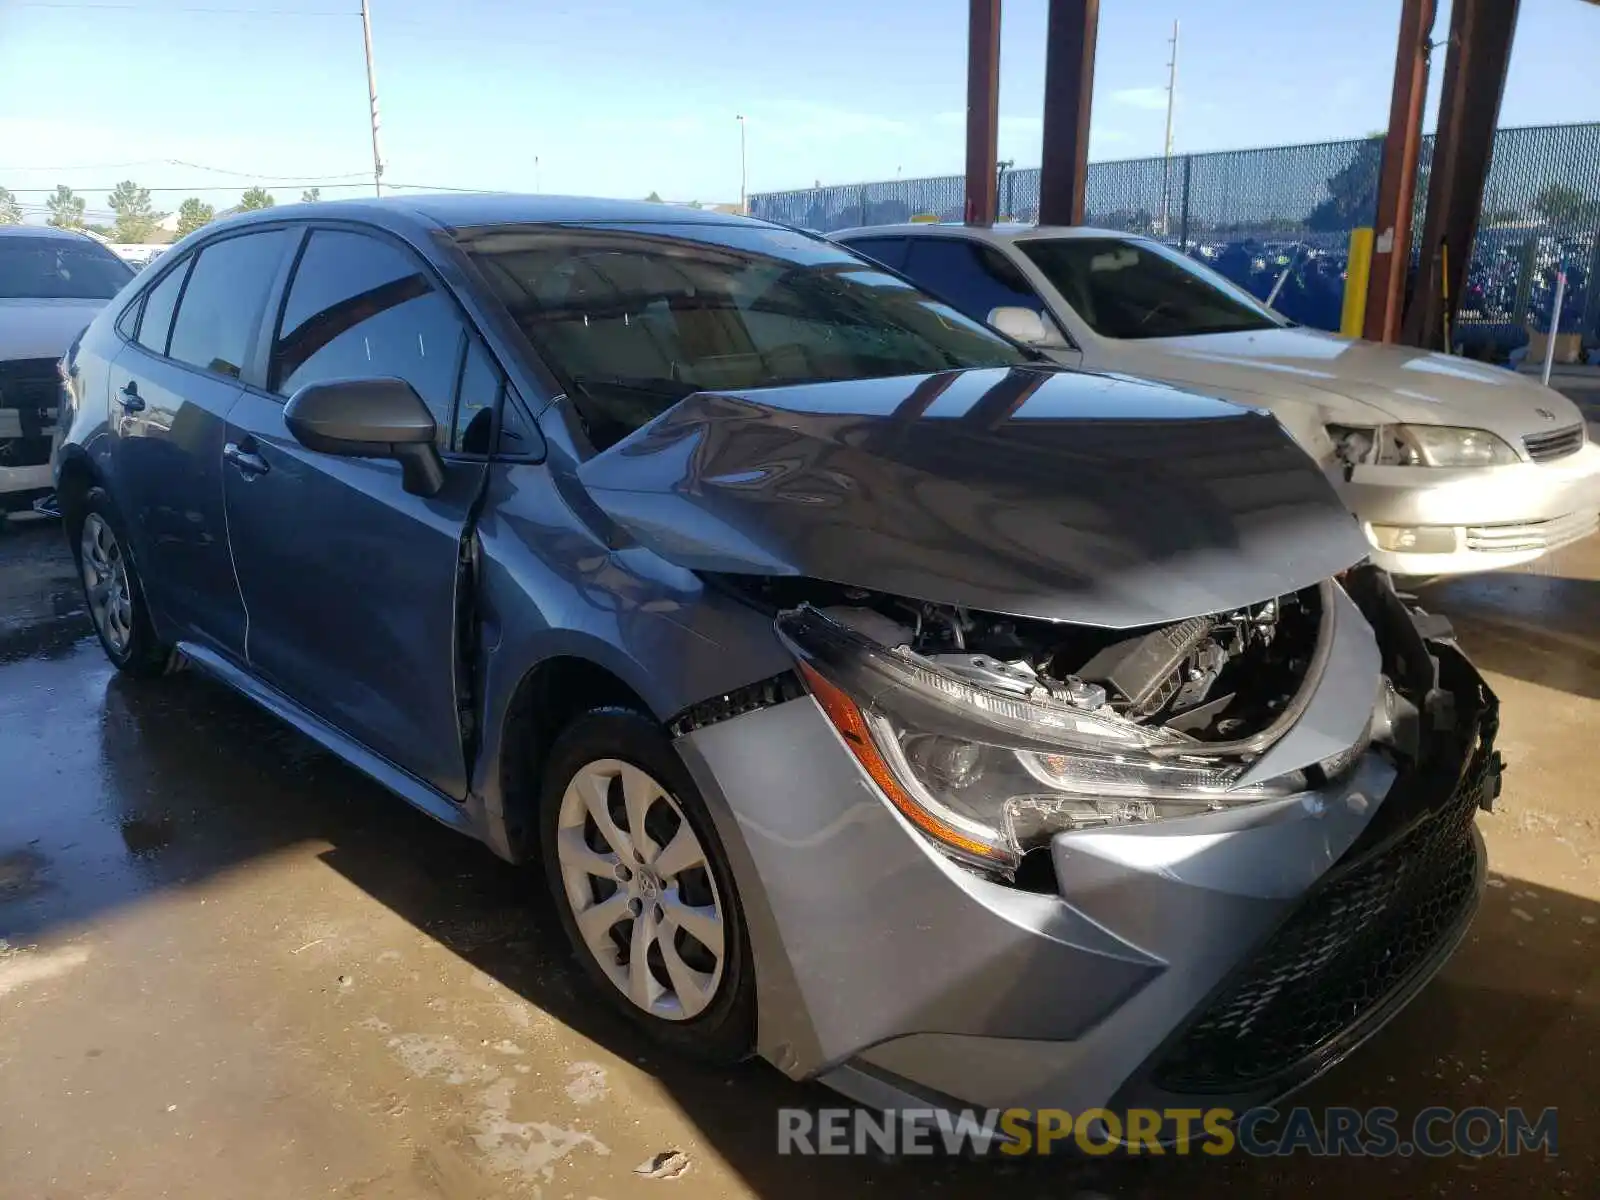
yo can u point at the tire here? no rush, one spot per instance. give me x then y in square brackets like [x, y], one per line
[113, 590]
[708, 1011]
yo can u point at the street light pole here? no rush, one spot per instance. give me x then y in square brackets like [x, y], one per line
[744, 203]
[1166, 165]
[372, 100]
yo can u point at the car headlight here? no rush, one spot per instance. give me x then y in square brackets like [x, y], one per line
[1441, 446]
[989, 774]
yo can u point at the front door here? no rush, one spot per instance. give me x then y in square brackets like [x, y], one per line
[350, 581]
[172, 387]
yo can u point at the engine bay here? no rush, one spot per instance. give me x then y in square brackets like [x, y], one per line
[1215, 678]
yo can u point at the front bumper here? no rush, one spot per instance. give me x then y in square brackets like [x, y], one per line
[21, 486]
[1484, 518]
[1174, 960]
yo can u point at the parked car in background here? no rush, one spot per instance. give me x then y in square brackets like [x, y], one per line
[136, 255]
[875, 696]
[52, 282]
[1451, 466]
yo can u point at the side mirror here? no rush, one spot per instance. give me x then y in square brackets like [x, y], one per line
[1022, 325]
[369, 418]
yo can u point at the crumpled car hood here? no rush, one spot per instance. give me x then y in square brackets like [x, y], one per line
[1030, 492]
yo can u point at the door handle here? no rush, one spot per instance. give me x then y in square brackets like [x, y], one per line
[250, 464]
[129, 398]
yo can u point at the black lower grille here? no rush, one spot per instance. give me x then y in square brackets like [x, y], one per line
[24, 452]
[1352, 945]
[29, 394]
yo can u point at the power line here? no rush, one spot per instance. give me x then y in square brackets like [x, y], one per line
[190, 188]
[158, 10]
[178, 162]
[420, 187]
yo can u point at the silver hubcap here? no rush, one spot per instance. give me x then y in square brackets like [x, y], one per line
[105, 582]
[643, 895]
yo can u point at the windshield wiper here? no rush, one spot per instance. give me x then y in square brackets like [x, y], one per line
[677, 389]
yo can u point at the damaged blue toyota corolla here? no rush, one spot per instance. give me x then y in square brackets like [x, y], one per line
[877, 698]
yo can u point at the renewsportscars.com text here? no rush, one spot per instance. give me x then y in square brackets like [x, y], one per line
[1331, 1132]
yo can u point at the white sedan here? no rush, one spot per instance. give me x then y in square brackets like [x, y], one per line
[52, 283]
[1450, 465]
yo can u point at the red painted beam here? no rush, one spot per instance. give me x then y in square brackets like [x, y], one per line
[1068, 90]
[1397, 181]
[983, 111]
[1469, 109]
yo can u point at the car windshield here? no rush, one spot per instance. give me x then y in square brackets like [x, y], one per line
[632, 319]
[51, 268]
[1138, 289]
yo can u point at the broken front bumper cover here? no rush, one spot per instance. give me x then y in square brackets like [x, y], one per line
[1155, 967]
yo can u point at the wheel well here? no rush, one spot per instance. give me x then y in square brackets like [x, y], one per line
[72, 490]
[549, 698]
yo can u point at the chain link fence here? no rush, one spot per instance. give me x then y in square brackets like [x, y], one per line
[1287, 212]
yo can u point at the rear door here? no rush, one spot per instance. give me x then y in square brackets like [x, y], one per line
[172, 386]
[350, 580]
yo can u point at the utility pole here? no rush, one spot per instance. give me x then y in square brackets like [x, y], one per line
[1166, 166]
[744, 205]
[372, 99]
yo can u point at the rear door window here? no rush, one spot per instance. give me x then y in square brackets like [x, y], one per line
[222, 305]
[160, 302]
[890, 251]
[972, 277]
[360, 308]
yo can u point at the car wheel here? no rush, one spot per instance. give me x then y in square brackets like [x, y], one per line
[114, 593]
[643, 886]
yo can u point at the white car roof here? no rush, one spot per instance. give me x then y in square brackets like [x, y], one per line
[1001, 232]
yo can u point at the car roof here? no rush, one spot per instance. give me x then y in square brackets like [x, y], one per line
[466, 210]
[46, 231]
[1006, 231]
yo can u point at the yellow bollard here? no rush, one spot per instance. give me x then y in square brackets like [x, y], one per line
[1354, 313]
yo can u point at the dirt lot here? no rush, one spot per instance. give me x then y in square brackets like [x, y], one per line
[233, 968]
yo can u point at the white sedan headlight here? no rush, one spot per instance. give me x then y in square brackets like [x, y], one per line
[1441, 446]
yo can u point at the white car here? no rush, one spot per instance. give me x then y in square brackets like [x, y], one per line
[1450, 465]
[52, 283]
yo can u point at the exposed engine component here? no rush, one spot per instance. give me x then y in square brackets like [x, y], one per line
[1020, 676]
[1144, 672]
[1212, 678]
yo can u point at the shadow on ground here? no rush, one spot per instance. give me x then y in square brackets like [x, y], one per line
[1540, 624]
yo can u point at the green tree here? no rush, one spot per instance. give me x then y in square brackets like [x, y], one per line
[66, 208]
[1352, 192]
[654, 197]
[137, 219]
[256, 198]
[192, 214]
[1559, 204]
[311, 195]
[10, 210]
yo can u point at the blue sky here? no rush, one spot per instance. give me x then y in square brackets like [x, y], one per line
[621, 98]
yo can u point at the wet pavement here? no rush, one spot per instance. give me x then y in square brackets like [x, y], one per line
[232, 967]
